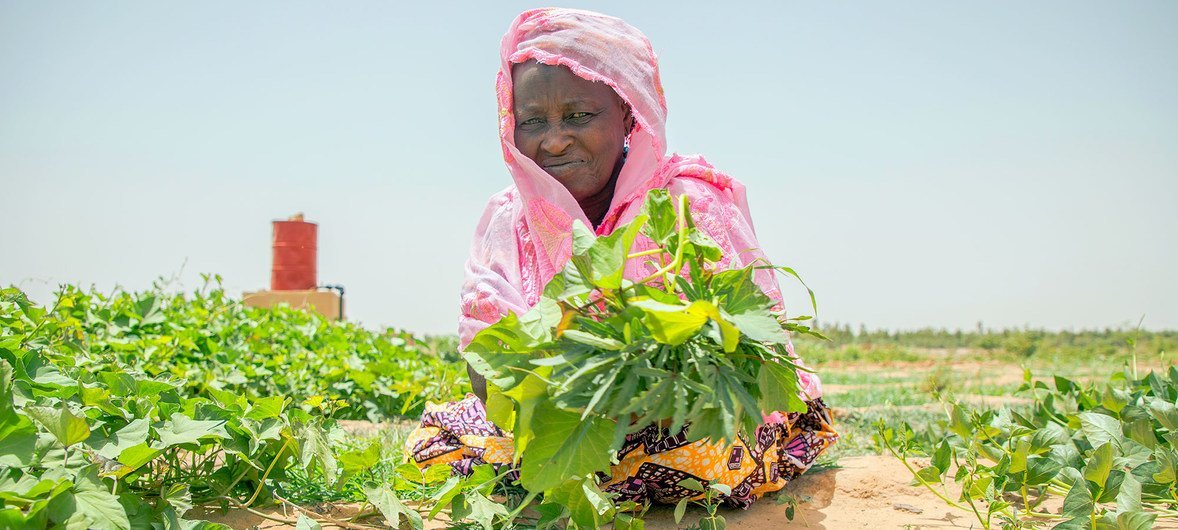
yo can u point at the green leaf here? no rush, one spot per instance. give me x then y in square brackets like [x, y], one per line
[61, 423]
[779, 388]
[307, 523]
[604, 261]
[941, 457]
[761, 327]
[1100, 429]
[137, 456]
[681, 509]
[1100, 463]
[384, 500]
[1136, 520]
[628, 522]
[589, 339]
[930, 475]
[588, 507]
[1129, 495]
[358, 460]
[660, 209]
[673, 328]
[1041, 470]
[94, 500]
[1079, 502]
[266, 407]
[565, 448]
[518, 333]
[134, 433]
[1166, 413]
[181, 429]
[477, 508]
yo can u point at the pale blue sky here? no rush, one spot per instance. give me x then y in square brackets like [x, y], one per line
[920, 163]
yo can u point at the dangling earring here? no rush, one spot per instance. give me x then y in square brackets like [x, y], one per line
[625, 147]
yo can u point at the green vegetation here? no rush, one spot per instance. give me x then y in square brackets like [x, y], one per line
[128, 410]
[1108, 451]
[157, 409]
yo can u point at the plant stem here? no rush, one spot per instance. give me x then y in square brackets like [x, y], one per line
[262, 481]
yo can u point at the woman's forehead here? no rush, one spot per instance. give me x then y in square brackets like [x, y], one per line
[539, 84]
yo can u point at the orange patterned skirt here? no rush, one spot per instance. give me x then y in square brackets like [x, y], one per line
[652, 462]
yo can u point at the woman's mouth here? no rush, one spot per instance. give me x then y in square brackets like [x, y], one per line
[560, 168]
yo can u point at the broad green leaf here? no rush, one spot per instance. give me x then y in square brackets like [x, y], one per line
[730, 336]
[1040, 470]
[941, 457]
[761, 327]
[266, 407]
[604, 261]
[528, 394]
[307, 523]
[94, 499]
[673, 328]
[1078, 502]
[1100, 429]
[134, 433]
[384, 500]
[18, 441]
[779, 388]
[314, 448]
[518, 333]
[1100, 463]
[483, 511]
[61, 423]
[564, 448]
[660, 210]
[1166, 413]
[628, 522]
[1129, 495]
[588, 507]
[137, 456]
[181, 429]
[1136, 520]
[358, 460]
[501, 410]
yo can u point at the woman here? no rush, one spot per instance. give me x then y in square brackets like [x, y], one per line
[581, 122]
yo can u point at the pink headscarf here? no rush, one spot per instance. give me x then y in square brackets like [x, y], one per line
[524, 236]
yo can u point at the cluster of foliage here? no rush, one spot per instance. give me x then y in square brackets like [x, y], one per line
[1109, 451]
[126, 411]
[1021, 342]
[599, 357]
[210, 341]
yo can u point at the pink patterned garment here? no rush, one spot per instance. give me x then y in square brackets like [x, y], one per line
[524, 236]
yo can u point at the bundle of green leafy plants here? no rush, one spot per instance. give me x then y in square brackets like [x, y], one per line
[692, 345]
[1090, 456]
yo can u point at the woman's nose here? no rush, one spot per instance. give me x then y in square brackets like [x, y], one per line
[556, 140]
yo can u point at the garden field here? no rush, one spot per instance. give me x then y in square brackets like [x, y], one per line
[188, 410]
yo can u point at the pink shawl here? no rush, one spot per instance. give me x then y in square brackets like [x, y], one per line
[524, 236]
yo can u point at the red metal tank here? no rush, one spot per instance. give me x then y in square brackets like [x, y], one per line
[295, 255]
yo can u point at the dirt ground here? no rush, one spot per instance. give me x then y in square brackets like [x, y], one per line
[862, 492]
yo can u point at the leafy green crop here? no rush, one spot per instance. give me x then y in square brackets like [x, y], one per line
[211, 342]
[1110, 452]
[126, 411]
[600, 357]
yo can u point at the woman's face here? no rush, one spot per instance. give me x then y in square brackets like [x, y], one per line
[571, 127]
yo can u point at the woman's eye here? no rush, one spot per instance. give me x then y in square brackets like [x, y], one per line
[530, 122]
[580, 117]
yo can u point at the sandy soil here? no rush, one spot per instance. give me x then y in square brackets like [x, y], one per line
[864, 492]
